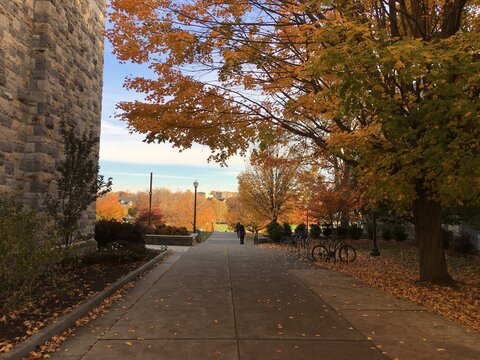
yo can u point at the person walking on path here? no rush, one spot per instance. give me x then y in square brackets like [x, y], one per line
[237, 229]
[241, 233]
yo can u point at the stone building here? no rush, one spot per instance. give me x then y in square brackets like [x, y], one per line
[51, 65]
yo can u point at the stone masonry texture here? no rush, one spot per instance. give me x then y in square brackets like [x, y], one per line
[51, 66]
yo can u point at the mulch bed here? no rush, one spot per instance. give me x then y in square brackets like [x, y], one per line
[71, 288]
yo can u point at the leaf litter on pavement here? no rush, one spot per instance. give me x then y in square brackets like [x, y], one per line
[396, 272]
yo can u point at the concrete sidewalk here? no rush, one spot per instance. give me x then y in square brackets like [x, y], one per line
[222, 300]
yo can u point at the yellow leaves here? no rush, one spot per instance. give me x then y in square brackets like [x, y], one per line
[399, 65]
[5, 346]
[129, 343]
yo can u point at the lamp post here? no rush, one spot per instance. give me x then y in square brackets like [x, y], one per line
[195, 185]
[150, 202]
[374, 251]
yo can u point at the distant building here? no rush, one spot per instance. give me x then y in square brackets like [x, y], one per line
[222, 195]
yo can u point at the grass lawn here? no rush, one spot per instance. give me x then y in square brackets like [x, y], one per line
[221, 227]
[204, 235]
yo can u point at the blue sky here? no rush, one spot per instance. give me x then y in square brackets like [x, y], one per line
[129, 161]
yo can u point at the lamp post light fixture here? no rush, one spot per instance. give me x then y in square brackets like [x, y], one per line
[374, 251]
[195, 185]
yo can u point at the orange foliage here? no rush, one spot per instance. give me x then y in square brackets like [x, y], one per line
[108, 207]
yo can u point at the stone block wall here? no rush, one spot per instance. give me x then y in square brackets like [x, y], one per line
[51, 68]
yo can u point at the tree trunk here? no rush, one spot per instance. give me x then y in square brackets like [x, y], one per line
[427, 218]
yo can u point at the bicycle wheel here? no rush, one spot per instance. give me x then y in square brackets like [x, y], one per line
[347, 253]
[320, 253]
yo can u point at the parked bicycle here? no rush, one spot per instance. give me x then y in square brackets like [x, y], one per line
[332, 249]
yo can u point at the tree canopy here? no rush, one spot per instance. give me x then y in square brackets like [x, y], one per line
[391, 87]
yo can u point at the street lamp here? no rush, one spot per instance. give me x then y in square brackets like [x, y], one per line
[374, 251]
[195, 185]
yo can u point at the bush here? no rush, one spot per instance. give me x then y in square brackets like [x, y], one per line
[327, 231]
[341, 232]
[167, 230]
[156, 218]
[107, 231]
[315, 230]
[301, 229]
[275, 231]
[27, 253]
[355, 232]
[387, 233]
[447, 237]
[399, 232]
[117, 253]
[463, 245]
[287, 229]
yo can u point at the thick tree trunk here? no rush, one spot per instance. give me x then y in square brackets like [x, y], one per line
[427, 217]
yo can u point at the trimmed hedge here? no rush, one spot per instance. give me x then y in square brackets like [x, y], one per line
[108, 231]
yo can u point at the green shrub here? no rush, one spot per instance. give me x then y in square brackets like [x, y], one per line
[301, 229]
[355, 232]
[341, 232]
[448, 238]
[27, 253]
[327, 231]
[315, 230]
[462, 244]
[167, 230]
[275, 231]
[117, 253]
[399, 232]
[386, 233]
[287, 229]
[78, 183]
[108, 231]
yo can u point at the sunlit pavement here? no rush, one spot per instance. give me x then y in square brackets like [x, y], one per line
[223, 300]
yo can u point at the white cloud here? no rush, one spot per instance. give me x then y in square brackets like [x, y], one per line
[118, 145]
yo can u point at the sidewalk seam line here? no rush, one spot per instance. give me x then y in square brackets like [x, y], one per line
[233, 303]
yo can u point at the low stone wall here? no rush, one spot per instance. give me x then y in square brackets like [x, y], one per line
[180, 240]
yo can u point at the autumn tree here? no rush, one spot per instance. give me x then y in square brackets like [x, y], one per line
[390, 87]
[220, 208]
[268, 187]
[411, 89]
[244, 214]
[150, 217]
[108, 207]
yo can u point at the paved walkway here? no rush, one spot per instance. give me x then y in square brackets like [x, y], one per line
[222, 300]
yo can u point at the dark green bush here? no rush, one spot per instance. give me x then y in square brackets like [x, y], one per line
[28, 253]
[301, 229]
[117, 253]
[275, 231]
[341, 232]
[386, 233]
[355, 232]
[107, 231]
[315, 230]
[327, 231]
[167, 230]
[447, 237]
[399, 232]
[462, 244]
[287, 229]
